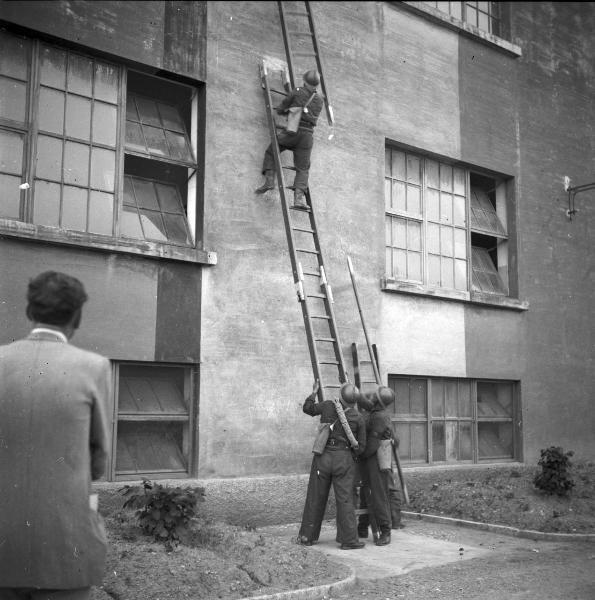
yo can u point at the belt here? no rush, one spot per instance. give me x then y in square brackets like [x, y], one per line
[337, 444]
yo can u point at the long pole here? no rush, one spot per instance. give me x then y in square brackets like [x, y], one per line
[361, 314]
[376, 376]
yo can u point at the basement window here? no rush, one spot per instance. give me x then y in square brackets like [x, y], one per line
[444, 420]
[153, 413]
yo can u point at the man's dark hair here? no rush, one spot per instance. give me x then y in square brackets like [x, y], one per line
[54, 298]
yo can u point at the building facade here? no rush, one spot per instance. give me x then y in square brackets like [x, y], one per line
[131, 140]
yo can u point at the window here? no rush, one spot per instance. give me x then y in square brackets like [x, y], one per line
[153, 416]
[440, 420]
[94, 150]
[483, 15]
[445, 227]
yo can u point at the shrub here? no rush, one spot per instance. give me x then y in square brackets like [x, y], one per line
[555, 466]
[164, 512]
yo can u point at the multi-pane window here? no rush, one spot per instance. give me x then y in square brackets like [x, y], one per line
[443, 420]
[483, 15]
[438, 215]
[92, 147]
[153, 409]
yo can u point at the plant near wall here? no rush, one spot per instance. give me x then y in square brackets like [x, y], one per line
[555, 471]
[164, 512]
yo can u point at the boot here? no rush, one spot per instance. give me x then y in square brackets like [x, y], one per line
[353, 545]
[383, 540]
[269, 183]
[396, 522]
[299, 199]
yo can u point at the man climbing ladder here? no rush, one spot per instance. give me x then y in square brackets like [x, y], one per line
[299, 142]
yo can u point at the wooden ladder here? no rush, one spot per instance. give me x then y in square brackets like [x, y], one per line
[301, 47]
[310, 277]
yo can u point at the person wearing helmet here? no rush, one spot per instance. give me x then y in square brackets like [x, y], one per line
[334, 466]
[375, 480]
[300, 142]
[366, 404]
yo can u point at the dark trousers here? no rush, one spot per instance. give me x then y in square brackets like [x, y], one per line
[301, 144]
[374, 495]
[336, 467]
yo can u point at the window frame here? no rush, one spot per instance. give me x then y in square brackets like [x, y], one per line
[475, 419]
[435, 15]
[25, 228]
[507, 246]
[190, 379]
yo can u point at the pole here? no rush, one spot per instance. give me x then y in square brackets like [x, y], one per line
[361, 314]
[401, 478]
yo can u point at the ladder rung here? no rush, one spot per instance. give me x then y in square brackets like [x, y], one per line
[335, 386]
[300, 33]
[289, 168]
[324, 340]
[312, 273]
[303, 229]
[279, 92]
[306, 251]
[328, 362]
[320, 317]
[316, 296]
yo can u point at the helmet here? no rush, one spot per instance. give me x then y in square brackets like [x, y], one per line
[312, 77]
[384, 396]
[366, 401]
[349, 393]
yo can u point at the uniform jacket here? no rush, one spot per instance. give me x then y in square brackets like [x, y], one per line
[299, 97]
[53, 442]
[378, 427]
[328, 414]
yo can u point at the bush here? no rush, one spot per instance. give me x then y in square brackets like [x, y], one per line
[163, 512]
[555, 466]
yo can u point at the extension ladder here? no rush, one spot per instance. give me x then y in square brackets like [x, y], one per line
[313, 289]
[301, 46]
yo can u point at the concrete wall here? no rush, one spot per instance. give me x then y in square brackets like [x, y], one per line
[138, 309]
[556, 86]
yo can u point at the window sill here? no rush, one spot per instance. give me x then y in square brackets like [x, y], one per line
[477, 298]
[51, 235]
[446, 20]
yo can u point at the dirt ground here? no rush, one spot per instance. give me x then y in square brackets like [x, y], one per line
[226, 562]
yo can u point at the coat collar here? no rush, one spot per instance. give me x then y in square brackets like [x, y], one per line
[47, 335]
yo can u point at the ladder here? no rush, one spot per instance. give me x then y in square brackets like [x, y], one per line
[310, 278]
[301, 46]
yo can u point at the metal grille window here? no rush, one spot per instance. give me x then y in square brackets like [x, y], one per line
[483, 15]
[437, 216]
[62, 147]
[442, 420]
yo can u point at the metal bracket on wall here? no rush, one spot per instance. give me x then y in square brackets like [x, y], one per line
[572, 192]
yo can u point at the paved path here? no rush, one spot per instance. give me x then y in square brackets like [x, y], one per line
[432, 560]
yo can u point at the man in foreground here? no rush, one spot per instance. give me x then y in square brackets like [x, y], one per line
[53, 443]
